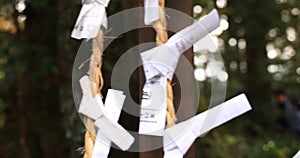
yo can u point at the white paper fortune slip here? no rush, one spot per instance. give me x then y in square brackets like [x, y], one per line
[185, 38]
[164, 58]
[179, 138]
[93, 108]
[151, 11]
[153, 106]
[92, 15]
[90, 106]
[297, 155]
[113, 106]
[162, 61]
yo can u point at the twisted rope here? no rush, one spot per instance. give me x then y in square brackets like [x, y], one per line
[161, 38]
[96, 81]
[95, 74]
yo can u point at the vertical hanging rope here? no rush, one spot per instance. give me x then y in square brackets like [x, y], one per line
[95, 74]
[161, 38]
[96, 81]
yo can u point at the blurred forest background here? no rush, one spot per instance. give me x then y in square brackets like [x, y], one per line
[258, 39]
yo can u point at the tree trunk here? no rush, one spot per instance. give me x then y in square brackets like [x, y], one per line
[147, 35]
[67, 48]
[20, 97]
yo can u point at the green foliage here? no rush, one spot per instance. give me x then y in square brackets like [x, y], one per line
[260, 24]
[217, 145]
[43, 54]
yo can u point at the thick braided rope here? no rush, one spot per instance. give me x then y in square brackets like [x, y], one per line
[95, 74]
[161, 38]
[96, 81]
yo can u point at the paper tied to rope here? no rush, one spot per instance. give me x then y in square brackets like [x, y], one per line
[185, 38]
[164, 58]
[179, 138]
[162, 61]
[103, 2]
[151, 11]
[159, 65]
[91, 17]
[93, 108]
[153, 106]
[113, 105]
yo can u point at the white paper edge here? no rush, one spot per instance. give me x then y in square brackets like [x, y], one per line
[183, 141]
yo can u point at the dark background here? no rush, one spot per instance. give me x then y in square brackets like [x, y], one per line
[37, 113]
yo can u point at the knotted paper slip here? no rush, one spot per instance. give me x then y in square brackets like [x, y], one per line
[159, 65]
[113, 105]
[93, 108]
[92, 15]
[179, 138]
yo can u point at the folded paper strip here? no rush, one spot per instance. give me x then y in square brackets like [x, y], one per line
[179, 138]
[113, 105]
[164, 58]
[153, 106]
[151, 11]
[93, 108]
[91, 17]
[162, 61]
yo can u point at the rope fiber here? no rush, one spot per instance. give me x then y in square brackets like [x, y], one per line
[96, 81]
[160, 26]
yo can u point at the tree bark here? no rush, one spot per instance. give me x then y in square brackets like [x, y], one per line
[66, 50]
[20, 97]
[147, 35]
